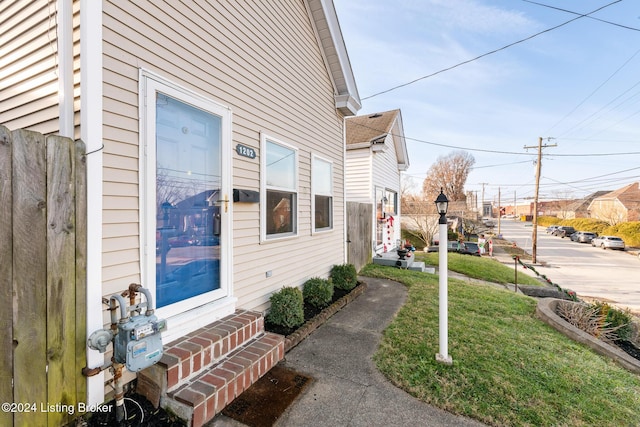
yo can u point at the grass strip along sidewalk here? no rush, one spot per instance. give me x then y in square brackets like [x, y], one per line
[479, 268]
[509, 368]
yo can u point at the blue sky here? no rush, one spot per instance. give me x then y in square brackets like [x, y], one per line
[579, 83]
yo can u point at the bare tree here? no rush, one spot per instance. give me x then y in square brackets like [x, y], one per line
[419, 216]
[449, 173]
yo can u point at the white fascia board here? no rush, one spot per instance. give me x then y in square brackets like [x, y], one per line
[329, 35]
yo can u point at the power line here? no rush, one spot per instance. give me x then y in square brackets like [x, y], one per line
[491, 52]
[594, 91]
[422, 141]
[576, 13]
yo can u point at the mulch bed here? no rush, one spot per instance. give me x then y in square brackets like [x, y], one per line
[262, 404]
[628, 348]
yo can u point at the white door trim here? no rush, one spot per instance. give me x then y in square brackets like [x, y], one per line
[188, 315]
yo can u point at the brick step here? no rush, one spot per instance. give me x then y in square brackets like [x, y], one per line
[199, 400]
[204, 371]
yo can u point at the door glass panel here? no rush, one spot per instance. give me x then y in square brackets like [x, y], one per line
[188, 182]
[380, 217]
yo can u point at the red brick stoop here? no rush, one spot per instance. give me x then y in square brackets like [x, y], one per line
[204, 371]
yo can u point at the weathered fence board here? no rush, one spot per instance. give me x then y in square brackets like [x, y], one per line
[43, 232]
[359, 233]
[61, 298]
[29, 275]
[81, 268]
[6, 276]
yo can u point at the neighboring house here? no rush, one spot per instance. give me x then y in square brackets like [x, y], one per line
[617, 206]
[376, 154]
[580, 208]
[180, 104]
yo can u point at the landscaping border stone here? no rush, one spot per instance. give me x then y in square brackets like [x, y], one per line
[546, 311]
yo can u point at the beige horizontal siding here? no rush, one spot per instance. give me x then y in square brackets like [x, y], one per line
[28, 65]
[261, 59]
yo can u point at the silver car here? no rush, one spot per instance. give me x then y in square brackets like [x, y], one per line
[608, 242]
[583, 236]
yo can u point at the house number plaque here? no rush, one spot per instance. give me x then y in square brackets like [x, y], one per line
[245, 151]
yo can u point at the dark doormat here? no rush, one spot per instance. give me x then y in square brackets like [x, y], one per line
[266, 400]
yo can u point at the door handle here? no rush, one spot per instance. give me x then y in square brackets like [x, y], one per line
[217, 219]
[225, 201]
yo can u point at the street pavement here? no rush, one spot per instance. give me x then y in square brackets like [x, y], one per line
[606, 275]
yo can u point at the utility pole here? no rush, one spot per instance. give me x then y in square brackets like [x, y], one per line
[499, 212]
[534, 237]
[482, 207]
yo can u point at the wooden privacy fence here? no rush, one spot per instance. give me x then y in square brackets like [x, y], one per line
[359, 233]
[42, 278]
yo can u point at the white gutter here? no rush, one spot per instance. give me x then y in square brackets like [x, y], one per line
[344, 190]
[65, 67]
[91, 134]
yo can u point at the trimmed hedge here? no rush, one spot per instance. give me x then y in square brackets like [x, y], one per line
[344, 276]
[317, 292]
[287, 308]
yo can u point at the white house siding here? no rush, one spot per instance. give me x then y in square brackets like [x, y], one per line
[359, 175]
[261, 59]
[28, 73]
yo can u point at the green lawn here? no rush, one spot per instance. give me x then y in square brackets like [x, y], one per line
[509, 369]
[480, 268]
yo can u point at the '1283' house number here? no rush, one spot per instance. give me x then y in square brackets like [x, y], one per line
[245, 151]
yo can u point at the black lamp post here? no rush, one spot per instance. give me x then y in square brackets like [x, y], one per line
[442, 204]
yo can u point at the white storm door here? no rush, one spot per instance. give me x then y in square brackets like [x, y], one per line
[187, 183]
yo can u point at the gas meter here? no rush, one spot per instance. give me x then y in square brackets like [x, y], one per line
[137, 341]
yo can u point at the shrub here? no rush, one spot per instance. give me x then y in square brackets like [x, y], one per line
[598, 319]
[617, 320]
[287, 308]
[628, 231]
[344, 276]
[317, 292]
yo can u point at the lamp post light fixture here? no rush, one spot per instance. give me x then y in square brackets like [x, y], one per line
[442, 204]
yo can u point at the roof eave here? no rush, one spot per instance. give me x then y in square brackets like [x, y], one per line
[325, 21]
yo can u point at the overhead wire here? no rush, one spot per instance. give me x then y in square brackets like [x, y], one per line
[581, 103]
[577, 13]
[490, 52]
[457, 147]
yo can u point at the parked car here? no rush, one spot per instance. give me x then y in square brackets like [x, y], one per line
[465, 248]
[608, 242]
[488, 222]
[551, 229]
[563, 231]
[583, 236]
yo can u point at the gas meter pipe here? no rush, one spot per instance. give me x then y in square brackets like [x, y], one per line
[119, 391]
[123, 311]
[135, 287]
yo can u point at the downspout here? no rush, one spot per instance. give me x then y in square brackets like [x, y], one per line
[91, 134]
[64, 29]
[344, 189]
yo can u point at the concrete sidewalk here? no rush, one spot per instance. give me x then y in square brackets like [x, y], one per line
[347, 389]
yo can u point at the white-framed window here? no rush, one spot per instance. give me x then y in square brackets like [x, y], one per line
[321, 193]
[391, 202]
[279, 184]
